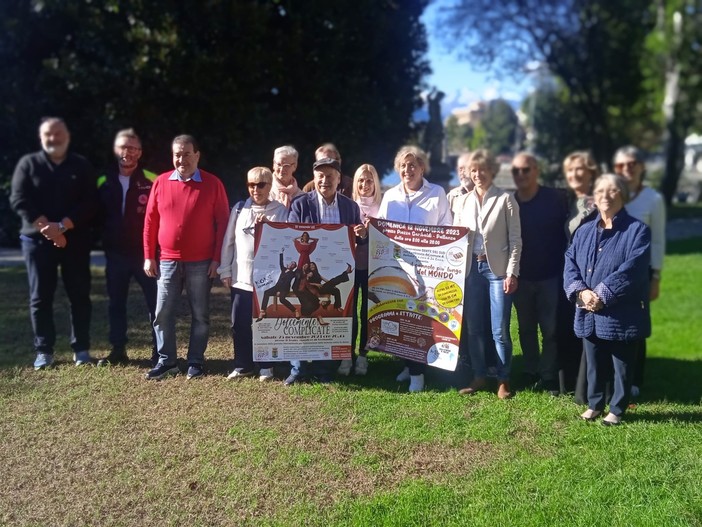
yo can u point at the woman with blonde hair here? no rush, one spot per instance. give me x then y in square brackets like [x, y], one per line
[366, 193]
[494, 239]
[414, 200]
[236, 268]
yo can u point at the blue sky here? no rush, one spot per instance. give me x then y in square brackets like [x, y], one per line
[457, 79]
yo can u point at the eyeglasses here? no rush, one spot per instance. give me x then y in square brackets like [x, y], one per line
[629, 164]
[612, 192]
[130, 149]
[259, 186]
[520, 170]
[284, 166]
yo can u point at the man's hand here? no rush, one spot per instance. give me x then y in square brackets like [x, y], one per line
[60, 241]
[51, 230]
[212, 271]
[150, 268]
[655, 288]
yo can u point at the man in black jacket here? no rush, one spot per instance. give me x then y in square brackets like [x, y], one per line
[124, 191]
[53, 191]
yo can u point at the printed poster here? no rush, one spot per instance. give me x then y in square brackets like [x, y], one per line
[415, 291]
[303, 291]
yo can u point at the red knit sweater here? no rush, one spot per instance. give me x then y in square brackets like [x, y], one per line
[186, 220]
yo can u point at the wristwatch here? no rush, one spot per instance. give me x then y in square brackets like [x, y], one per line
[61, 227]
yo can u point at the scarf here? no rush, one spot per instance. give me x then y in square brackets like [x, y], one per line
[284, 193]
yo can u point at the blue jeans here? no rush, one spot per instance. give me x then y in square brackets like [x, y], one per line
[486, 300]
[173, 275]
[43, 261]
[119, 270]
[537, 306]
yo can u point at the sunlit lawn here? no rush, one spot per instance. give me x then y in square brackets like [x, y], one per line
[97, 446]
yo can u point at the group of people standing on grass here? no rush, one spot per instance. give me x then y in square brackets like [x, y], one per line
[580, 266]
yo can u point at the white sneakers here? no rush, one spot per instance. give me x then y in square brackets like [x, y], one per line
[361, 365]
[345, 367]
[265, 375]
[404, 375]
[416, 383]
[238, 374]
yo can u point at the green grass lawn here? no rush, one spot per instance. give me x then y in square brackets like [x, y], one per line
[101, 446]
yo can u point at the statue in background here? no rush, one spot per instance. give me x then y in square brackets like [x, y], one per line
[434, 139]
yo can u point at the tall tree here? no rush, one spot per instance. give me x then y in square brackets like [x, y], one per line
[592, 46]
[554, 126]
[500, 124]
[673, 67]
[243, 77]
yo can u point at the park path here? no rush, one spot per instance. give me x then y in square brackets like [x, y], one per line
[678, 229]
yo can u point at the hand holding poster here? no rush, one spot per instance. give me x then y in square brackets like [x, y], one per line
[303, 281]
[415, 291]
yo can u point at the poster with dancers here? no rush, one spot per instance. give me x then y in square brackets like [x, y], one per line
[303, 291]
[415, 291]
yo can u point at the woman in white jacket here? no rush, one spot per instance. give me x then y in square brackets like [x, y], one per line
[236, 269]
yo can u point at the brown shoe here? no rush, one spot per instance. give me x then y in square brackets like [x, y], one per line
[503, 390]
[477, 384]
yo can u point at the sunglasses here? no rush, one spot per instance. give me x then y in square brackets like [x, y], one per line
[520, 170]
[629, 164]
[259, 186]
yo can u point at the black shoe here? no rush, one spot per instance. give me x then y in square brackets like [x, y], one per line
[161, 371]
[325, 379]
[552, 387]
[530, 380]
[195, 371]
[116, 356]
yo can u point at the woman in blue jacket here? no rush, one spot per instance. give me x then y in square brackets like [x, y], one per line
[606, 275]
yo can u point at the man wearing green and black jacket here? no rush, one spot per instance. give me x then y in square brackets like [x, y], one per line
[124, 192]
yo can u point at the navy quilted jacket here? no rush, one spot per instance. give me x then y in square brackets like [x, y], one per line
[615, 265]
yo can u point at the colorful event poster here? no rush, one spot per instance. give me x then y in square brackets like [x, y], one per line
[303, 291]
[415, 291]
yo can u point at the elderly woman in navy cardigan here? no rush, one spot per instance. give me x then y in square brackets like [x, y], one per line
[607, 276]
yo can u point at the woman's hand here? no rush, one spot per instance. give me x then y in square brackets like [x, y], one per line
[227, 281]
[360, 230]
[590, 300]
[510, 284]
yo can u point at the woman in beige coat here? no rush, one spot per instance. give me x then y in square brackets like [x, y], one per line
[492, 215]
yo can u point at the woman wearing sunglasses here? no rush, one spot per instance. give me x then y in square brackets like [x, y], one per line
[236, 269]
[646, 205]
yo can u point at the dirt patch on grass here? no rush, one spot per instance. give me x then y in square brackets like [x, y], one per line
[105, 447]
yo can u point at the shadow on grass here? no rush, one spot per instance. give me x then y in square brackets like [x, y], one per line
[664, 417]
[687, 246]
[672, 380]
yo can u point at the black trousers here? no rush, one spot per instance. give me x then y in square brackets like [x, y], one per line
[119, 270]
[43, 262]
[242, 333]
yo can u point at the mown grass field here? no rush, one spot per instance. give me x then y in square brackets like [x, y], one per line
[101, 446]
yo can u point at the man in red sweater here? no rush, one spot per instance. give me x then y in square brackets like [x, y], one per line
[186, 218]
